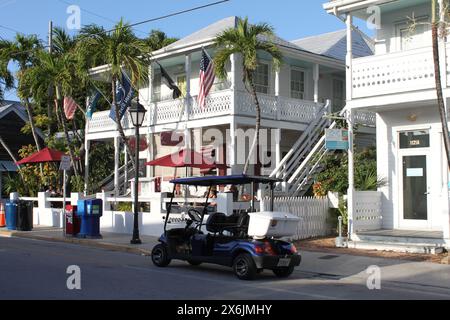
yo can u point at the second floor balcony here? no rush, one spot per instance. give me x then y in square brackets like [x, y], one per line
[219, 104]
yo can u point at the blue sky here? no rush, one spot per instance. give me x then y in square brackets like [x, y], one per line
[292, 19]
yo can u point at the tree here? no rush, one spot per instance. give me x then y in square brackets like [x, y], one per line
[247, 40]
[436, 24]
[23, 51]
[158, 39]
[120, 49]
[6, 77]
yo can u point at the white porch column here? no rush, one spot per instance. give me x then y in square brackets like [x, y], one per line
[87, 147]
[187, 103]
[351, 174]
[116, 164]
[232, 146]
[277, 144]
[349, 58]
[125, 181]
[316, 70]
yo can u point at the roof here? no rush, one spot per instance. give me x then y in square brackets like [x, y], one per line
[7, 166]
[7, 106]
[223, 180]
[334, 44]
[210, 32]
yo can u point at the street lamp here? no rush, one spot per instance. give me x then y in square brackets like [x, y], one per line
[137, 115]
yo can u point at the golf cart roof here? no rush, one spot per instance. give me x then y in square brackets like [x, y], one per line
[224, 180]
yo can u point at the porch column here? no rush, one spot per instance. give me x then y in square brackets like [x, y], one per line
[125, 181]
[277, 144]
[351, 174]
[187, 103]
[442, 47]
[277, 92]
[87, 147]
[349, 58]
[316, 82]
[116, 164]
[232, 146]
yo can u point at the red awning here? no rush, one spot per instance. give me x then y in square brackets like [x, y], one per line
[186, 158]
[43, 156]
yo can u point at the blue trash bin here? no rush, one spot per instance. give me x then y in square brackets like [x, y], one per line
[90, 212]
[11, 215]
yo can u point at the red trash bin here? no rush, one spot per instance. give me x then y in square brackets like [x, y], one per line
[73, 221]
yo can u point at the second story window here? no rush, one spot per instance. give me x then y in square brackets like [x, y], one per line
[261, 78]
[414, 37]
[297, 84]
[181, 83]
[156, 87]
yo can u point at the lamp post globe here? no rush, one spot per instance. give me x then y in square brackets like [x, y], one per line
[137, 114]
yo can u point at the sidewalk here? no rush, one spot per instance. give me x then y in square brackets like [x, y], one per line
[110, 241]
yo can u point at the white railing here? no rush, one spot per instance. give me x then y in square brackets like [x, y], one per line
[393, 73]
[313, 214]
[218, 104]
[368, 214]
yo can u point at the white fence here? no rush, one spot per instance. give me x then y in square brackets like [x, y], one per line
[313, 214]
[368, 214]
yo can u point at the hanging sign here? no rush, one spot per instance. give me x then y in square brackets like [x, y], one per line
[65, 163]
[337, 139]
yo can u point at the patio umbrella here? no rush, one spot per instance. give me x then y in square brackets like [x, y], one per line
[43, 156]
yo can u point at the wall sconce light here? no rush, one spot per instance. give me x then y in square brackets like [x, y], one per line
[412, 117]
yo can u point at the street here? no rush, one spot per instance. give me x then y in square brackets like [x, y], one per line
[32, 269]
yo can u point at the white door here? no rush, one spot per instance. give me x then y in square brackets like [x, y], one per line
[414, 180]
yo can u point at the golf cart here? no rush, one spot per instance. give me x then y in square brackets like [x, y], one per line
[248, 241]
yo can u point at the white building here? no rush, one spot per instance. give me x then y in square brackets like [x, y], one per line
[398, 84]
[293, 101]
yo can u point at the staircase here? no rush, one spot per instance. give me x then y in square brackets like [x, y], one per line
[108, 183]
[303, 162]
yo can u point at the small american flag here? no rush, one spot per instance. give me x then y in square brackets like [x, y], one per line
[70, 107]
[207, 78]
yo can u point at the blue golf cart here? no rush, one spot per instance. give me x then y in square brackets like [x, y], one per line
[248, 241]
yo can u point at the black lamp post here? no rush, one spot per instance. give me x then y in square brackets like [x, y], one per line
[137, 114]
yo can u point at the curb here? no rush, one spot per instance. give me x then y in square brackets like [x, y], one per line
[83, 242]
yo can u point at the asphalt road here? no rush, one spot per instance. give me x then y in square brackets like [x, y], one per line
[32, 269]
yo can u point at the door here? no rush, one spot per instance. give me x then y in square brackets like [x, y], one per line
[415, 201]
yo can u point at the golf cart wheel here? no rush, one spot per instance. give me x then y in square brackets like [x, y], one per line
[283, 272]
[160, 256]
[244, 267]
[194, 263]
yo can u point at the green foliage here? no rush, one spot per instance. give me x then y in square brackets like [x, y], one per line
[124, 206]
[13, 183]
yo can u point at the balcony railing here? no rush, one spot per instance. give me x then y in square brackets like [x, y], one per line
[392, 73]
[218, 104]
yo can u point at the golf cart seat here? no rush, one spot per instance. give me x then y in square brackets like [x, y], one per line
[219, 222]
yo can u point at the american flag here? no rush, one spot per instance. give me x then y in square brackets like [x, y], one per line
[70, 107]
[207, 78]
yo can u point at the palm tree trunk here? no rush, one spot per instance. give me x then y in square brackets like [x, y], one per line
[119, 125]
[8, 150]
[257, 125]
[437, 77]
[32, 124]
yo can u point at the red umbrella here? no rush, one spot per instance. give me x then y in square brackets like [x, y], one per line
[186, 158]
[43, 156]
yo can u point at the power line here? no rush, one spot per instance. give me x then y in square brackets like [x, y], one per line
[98, 15]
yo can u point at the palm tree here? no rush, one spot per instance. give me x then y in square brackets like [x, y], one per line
[158, 39]
[23, 52]
[247, 40]
[120, 49]
[6, 77]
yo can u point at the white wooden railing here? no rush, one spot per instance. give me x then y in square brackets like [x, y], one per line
[219, 103]
[389, 73]
[368, 215]
[313, 214]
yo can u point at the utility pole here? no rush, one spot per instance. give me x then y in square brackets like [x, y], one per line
[50, 89]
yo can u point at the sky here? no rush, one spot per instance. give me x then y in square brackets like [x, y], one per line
[291, 19]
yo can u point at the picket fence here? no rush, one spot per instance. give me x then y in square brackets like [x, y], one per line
[313, 214]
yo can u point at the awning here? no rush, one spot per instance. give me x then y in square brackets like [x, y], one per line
[43, 156]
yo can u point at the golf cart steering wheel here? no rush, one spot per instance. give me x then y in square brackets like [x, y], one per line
[195, 215]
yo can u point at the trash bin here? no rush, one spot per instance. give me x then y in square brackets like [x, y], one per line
[25, 216]
[11, 215]
[90, 212]
[73, 221]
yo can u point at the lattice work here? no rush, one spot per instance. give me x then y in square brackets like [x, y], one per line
[366, 118]
[216, 104]
[368, 213]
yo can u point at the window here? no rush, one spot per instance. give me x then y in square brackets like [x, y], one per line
[181, 83]
[414, 139]
[413, 38]
[338, 95]
[156, 87]
[261, 78]
[297, 84]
